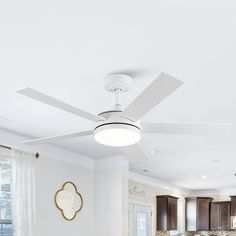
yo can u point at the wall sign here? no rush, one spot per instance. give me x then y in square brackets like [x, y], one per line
[133, 190]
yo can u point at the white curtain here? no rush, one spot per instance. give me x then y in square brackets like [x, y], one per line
[23, 193]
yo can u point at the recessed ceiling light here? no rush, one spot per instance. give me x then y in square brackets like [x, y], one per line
[166, 187]
[145, 170]
[204, 176]
[215, 161]
[187, 186]
[154, 151]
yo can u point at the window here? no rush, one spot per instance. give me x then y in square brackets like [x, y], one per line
[5, 199]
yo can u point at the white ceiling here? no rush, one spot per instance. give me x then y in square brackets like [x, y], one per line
[65, 49]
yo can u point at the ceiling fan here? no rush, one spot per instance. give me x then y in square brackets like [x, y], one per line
[123, 128]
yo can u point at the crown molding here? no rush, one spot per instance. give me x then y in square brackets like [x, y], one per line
[143, 179]
[224, 192]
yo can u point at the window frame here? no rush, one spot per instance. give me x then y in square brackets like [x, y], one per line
[4, 157]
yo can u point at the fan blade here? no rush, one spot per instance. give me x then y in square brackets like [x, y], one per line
[59, 137]
[36, 95]
[159, 89]
[189, 129]
[134, 153]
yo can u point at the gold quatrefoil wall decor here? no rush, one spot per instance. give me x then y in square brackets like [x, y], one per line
[68, 200]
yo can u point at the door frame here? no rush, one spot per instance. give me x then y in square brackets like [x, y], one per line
[146, 204]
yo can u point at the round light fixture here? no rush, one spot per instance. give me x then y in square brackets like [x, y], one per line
[117, 134]
[204, 176]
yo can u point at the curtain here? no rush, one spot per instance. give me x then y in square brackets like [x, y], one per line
[23, 193]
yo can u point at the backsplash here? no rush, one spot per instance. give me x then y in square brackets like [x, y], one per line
[202, 233]
[218, 233]
[163, 233]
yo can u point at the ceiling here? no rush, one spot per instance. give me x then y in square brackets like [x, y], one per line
[66, 48]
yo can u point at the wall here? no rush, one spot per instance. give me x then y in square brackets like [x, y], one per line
[50, 175]
[111, 203]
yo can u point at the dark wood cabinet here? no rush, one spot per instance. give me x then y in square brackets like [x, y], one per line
[220, 216]
[225, 215]
[233, 206]
[203, 213]
[233, 213]
[197, 213]
[215, 216]
[172, 213]
[167, 212]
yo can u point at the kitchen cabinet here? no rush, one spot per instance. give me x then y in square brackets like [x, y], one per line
[167, 212]
[233, 205]
[233, 212]
[203, 213]
[220, 216]
[225, 215]
[197, 213]
[215, 216]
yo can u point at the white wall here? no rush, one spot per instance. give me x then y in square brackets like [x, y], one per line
[111, 203]
[50, 175]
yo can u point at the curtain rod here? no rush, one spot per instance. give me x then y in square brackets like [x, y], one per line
[9, 148]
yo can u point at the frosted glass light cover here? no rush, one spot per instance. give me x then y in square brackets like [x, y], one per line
[117, 135]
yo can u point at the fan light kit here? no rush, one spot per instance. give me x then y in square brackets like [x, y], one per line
[117, 135]
[123, 127]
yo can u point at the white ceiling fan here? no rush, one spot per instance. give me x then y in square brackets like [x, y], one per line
[123, 128]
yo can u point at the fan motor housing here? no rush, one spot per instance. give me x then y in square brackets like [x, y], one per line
[113, 117]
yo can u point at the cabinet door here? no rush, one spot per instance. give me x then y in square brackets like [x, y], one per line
[203, 213]
[215, 216]
[162, 206]
[233, 205]
[225, 216]
[172, 214]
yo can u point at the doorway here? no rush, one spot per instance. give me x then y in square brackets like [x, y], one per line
[140, 220]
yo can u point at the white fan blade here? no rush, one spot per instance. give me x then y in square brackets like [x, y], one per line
[36, 95]
[189, 129]
[159, 89]
[59, 137]
[134, 153]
